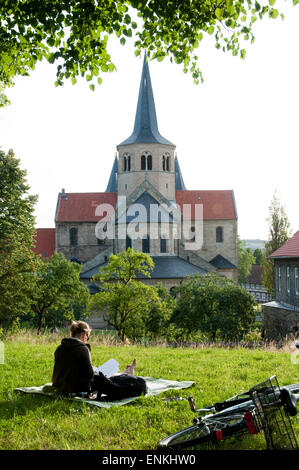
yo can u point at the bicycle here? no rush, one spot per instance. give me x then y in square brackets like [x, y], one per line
[265, 407]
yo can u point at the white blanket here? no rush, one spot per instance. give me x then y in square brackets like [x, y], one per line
[154, 387]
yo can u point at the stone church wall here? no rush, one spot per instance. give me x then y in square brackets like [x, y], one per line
[228, 248]
[87, 246]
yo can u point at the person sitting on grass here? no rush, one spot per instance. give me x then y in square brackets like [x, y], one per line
[73, 371]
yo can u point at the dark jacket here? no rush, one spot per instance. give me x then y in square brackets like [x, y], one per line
[73, 370]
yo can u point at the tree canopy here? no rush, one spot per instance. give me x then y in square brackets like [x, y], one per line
[279, 233]
[132, 307]
[214, 305]
[246, 260]
[74, 34]
[57, 289]
[16, 238]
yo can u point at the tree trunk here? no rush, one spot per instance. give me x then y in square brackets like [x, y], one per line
[40, 321]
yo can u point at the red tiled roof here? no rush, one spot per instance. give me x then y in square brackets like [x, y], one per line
[44, 242]
[216, 204]
[289, 249]
[81, 207]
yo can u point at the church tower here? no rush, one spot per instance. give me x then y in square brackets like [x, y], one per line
[146, 154]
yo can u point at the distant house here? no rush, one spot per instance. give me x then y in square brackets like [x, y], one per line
[255, 286]
[281, 316]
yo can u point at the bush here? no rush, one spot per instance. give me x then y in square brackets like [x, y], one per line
[215, 306]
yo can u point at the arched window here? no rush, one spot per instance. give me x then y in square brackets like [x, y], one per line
[128, 242]
[73, 236]
[172, 292]
[146, 244]
[219, 235]
[166, 162]
[163, 246]
[127, 162]
[146, 161]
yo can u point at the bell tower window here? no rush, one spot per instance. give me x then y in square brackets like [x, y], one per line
[127, 162]
[146, 161]
[166, 162]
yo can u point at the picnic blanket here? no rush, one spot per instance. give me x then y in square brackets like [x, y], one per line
[154, 387]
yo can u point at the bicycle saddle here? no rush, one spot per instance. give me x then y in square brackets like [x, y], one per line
[289, 401]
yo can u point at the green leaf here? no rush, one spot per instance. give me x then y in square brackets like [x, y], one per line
[273, 13]
[91, 87]
[295, 2]
[219, 13]
[271, 2]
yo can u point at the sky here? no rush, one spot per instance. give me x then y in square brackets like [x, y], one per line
[238, 130]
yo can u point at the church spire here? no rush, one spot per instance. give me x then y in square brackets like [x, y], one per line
[179, 182]
[146, 126]
[112, 183]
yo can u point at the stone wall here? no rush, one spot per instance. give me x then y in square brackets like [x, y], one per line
[87, 246]
[228, 248]
[279, 321]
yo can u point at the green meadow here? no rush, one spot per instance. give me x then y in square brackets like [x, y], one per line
[30, 422]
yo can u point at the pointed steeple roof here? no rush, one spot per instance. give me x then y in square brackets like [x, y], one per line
[112, 183]
[179, 182]
[146, 126]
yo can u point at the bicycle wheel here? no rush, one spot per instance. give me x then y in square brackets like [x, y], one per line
[211, 429]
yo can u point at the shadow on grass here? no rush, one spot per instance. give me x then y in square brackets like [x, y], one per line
[21, 404]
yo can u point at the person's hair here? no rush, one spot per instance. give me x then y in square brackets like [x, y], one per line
[79, 327]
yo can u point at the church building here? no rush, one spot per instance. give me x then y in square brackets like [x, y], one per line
[146, 206]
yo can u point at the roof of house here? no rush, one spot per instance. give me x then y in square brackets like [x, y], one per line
[146, 125]
[217, 204]
[166, 267]
[220, 262]
[44, 242]
[83, 207]
[290, 249]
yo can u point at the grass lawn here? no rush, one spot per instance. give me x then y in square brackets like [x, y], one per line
[36, 423]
